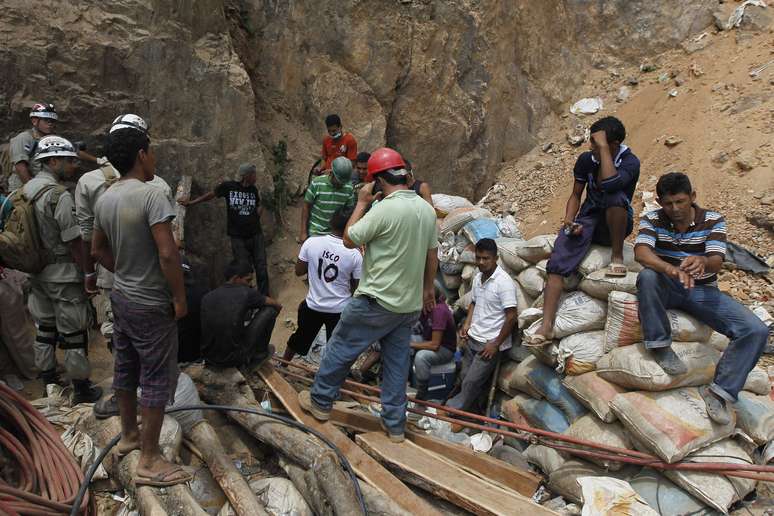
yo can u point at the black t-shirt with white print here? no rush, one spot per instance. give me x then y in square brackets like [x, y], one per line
[242, 203]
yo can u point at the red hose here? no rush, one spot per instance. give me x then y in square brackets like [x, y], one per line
[752, 471]
[49, 477]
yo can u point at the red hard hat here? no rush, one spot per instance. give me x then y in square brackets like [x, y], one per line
[381, 160]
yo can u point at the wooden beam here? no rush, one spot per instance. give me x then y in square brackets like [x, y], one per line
[418, 467]
[479, 464]
[364, 465]
[178, 224]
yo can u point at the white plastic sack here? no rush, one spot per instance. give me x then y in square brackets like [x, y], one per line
[529, 316]
[605, 495]
[186, 394]
[580, 352]
[634, 367]
[755, 417]
[508, 226]
[280, 497]
[464, 301]
[715, 490]
[598, 257]
[468, 272]
[569, 283]
[84, 450]
[587, 106]
[598, 285]
[451, 281]
[670, 424]
[537, 248]
[532, 280]
[590, 428]
[508, 250]
[595, 393]
[481, 442]
[718, 341]
[577, 312]
[456, 219]
[445, 204]
[623, 323]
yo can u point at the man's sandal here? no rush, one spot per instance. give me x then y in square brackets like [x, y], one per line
[162, 479]
[535, 341]
[616, 270]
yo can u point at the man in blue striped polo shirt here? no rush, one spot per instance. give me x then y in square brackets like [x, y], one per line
[682, 247]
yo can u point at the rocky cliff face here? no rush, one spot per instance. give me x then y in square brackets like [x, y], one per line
[457, 85]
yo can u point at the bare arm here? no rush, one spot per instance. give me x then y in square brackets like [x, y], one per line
[101, 251]
[432, 345]
[360, 210]
[573, 203]
[305, 210]
[169, 259]
[431, 268]
[425, 192]
[302, 267]
[202, 198]
[353, 284]
[468, 321]
[85, 156]
[22, 169]
[648, 258]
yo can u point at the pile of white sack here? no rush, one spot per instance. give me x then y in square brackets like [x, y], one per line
[597, 382]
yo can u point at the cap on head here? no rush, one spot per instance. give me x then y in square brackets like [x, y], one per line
[54, 147]
[385, 159]
[44, 110]
[129, 121]
[245, 169]
[342, 169]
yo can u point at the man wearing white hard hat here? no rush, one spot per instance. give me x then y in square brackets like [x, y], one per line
[57, 301]
[22, 146]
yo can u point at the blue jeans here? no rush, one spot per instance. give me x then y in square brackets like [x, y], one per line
[657, 292]
[362, 322]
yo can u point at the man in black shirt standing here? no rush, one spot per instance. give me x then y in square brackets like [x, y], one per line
[237, 321]
[243, 209]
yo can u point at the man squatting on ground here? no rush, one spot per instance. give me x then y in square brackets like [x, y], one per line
[609, 174]
[237, 321]
[57, 301]
[682, 247]
[133, 239]
[334, 273]
[400, 238]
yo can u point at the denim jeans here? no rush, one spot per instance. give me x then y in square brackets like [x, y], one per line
[362, 322]
[425, 359]
[657, 292]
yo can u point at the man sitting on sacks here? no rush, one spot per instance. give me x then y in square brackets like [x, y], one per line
[682, 247]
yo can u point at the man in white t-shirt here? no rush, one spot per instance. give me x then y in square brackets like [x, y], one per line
[487, 329]
[334, 273]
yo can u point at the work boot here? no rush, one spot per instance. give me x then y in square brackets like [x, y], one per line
[106, 407]
[51, 376]
[717, 408]
[669, 361]
[421, 391]
[395, 438]
[85, 392]
[308, 404]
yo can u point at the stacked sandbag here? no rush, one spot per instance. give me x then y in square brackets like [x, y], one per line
[596, 381]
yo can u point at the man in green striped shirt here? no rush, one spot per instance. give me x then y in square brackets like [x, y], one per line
[325, 195]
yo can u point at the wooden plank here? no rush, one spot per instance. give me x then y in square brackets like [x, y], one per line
[422, 469]
[178, 224]
[364, 465]
[480, 464]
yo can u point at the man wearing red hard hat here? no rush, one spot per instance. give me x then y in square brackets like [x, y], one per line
[400, 239]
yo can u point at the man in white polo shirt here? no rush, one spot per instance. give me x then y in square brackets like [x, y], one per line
[488, 326]
[334, 273]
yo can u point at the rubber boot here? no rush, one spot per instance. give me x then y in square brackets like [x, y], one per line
[51, 376]
[85, 392]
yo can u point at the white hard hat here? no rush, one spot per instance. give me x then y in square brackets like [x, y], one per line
[129, 121]
[54, 147]
[43, 110]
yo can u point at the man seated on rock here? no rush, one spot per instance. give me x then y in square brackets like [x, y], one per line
[336, 143]
[682, 247]
[487, 329]
[609, 174]
[439, 342]
[237, 321]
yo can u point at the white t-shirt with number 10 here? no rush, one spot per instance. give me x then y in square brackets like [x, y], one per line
[331, 268]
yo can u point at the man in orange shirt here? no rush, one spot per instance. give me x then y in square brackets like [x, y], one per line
[337, 143]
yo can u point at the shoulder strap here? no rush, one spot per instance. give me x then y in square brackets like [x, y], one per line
[42, 191]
